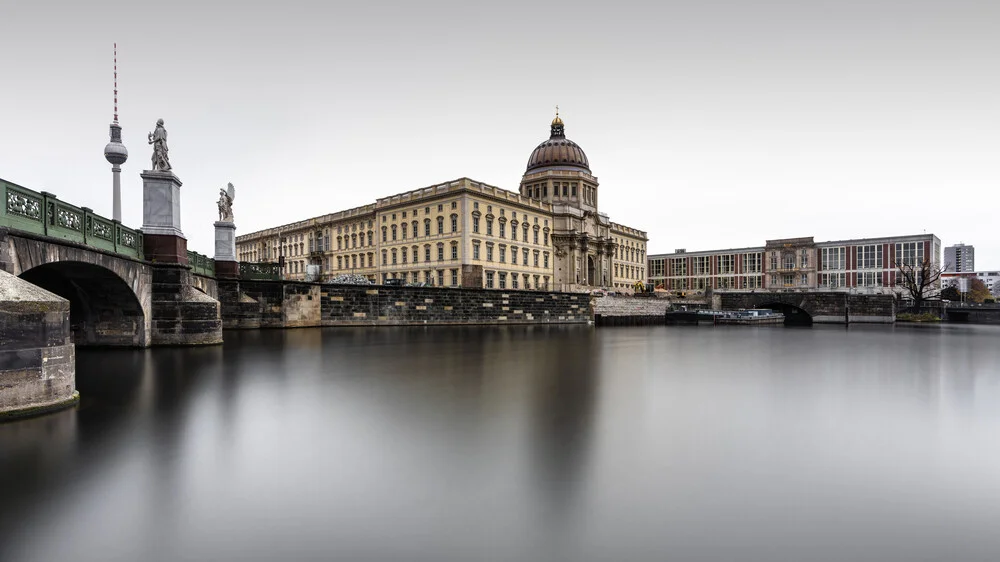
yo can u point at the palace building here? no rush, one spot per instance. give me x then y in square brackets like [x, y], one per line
[548, 235]
[868, 265]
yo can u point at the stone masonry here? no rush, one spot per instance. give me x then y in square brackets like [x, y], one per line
[298, 304]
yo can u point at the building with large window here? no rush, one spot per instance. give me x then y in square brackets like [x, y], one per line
[547, 235]
[796, 264]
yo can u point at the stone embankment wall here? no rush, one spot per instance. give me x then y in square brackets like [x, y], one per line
[37, 369]
[613, 311]
[282, 304]
[182, 314]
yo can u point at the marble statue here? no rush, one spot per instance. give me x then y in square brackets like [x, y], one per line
[226, 197]
[158, 139]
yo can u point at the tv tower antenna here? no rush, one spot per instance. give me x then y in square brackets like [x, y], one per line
[115, 151]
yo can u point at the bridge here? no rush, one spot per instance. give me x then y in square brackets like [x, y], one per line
[801, 307]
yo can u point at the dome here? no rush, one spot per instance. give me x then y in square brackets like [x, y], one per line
[558, 152]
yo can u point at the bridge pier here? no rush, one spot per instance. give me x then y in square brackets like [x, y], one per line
[37, 361]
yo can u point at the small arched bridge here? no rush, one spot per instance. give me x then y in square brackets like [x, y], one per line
[116, 297]
[829, 307]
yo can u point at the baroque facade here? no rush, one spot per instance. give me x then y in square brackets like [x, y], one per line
[549, 235]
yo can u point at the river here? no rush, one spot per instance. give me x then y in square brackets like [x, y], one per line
[873, 443]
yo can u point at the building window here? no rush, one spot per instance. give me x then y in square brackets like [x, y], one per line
[833, 259]
[393, 256]
[870, 257]
[503, 280]
[773, 261]
[910, 254]
[475, 251]
[440, 278]
[545, 242]
[804, 258]
[513, 231]
[525, 255]
[475, 225]
[503, 253]
[427, 252]
[403, 254]
[454, 251]
[701, 265]
[440, 252]
[788, 260]
[384, 232]
[440, 224]
[489, 253]
[385, 257]
[427, 227]
[393, 233]
[546, 260]
[727, 264]
[513, 279]
[489, 227]
[454, 278]
[751, 263]
[869, 279]
[489, 279]
[536, 237]
[414, 224]
[416, 254]
[340, 262]
[354, 261]
[454, 223]
[805, 279]
[513, 253]
[536, 259]
[503, 230]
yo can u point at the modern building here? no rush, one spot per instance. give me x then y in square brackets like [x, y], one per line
[795, 264]
[547, 235]
[960, 258]
[989, 278]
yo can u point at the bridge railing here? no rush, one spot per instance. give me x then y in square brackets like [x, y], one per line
[43, 213]
[260, 271]
[201, 264]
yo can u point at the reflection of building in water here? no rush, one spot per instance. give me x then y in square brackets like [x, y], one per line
[798, 264]
[547, 235]
[562, 425]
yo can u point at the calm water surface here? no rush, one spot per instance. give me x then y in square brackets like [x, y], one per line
[654, 443]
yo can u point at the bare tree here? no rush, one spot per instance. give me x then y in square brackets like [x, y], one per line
[918, 279]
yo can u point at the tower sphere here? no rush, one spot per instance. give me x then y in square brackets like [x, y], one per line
[116, 153]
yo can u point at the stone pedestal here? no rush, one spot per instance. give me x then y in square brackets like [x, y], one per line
[226, 264]
[37, 361]
[163, 241]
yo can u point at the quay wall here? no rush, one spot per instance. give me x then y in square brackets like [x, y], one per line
[287, 304]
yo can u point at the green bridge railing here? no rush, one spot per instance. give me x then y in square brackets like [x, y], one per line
[201, 264]
[43, 213]
[260, 271]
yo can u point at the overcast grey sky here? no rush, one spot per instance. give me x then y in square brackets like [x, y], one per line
[710, 124]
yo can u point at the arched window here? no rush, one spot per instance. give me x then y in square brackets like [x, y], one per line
[454, 223]
[440, 225]
[416, 254]
[414, 228]
[394, 256]
[403, 252]
[394, 233]
[384, 233]
[427, 227]
[385, 257]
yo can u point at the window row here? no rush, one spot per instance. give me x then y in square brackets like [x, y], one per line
[499, 280]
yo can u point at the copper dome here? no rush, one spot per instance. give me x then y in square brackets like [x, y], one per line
[558, 152]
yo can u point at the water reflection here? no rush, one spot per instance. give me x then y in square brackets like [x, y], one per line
[527, 443]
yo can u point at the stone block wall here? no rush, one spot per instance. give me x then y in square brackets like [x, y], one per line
[182, 315]
[297, 304]
[37, 360]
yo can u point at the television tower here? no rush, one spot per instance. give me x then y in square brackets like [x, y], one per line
[115, 151]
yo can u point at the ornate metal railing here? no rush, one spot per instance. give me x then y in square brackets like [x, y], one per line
[260, 271]
[43, 213]
[201, 264]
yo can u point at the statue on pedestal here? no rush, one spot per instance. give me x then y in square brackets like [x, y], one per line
[158, 139]
[226, 197]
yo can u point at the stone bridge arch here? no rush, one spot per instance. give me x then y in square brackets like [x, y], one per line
[110, 296]
[827, 307]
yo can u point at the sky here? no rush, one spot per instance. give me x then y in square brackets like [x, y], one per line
[710, 124]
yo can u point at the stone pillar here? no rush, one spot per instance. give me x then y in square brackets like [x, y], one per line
[226, 264]
[37, 361]
[163, 241]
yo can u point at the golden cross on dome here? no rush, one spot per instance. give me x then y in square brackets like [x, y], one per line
[557, 111]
